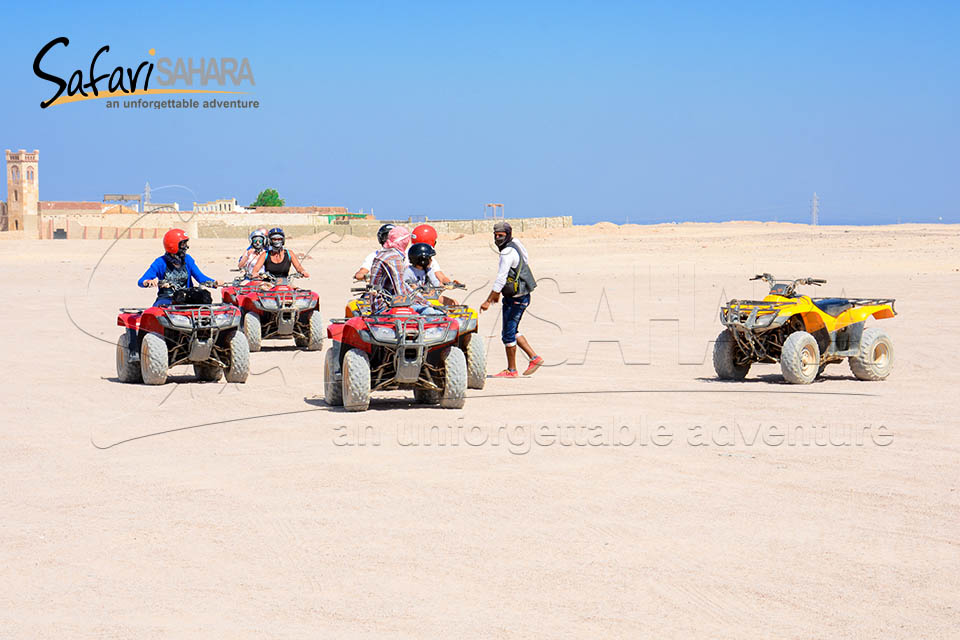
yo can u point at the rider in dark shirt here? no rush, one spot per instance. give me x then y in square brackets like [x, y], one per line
[277, 260]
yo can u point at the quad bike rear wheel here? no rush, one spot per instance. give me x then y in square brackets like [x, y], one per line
[126, 371]
[725, 356]
[332, 388]
[251, 329]
[476, 354]
[154, 359]
[800, 358]
[239, 367]
[314, 331]
[454, 378]
[356, 380]
[875, 359]
[208, 372]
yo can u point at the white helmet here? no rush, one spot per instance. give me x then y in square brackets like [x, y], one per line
[262, 235]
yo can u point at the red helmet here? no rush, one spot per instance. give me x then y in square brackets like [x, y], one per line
[172, 240]
[425, 233]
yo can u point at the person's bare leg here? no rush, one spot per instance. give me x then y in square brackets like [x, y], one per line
[527, 349]
[511, 357]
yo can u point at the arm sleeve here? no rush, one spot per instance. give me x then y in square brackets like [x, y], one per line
[508, 259]
[195, 272]
[155, 270]
[368, 261]
[432, 277]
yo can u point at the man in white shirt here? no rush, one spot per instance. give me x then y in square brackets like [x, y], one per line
[515, 281]
[364, 269]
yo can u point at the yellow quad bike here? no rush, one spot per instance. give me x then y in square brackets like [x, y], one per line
[468, 338]
[803, 334]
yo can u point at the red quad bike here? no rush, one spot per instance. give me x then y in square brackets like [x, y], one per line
[398, 349]
[282, 311]
[208, 336]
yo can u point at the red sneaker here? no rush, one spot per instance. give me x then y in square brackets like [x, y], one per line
[506, 373]
[534, 365]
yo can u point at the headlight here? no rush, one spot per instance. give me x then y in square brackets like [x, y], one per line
[434, 334]
[303, 303]
[178, 320]
[225, 319]
[269, 303]
[383, 334]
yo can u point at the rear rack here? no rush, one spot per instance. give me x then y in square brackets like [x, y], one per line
[861, 302]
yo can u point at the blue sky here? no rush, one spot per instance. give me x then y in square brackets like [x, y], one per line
[605, 111]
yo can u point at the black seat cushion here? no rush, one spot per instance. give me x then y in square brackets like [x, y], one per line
[833, 306]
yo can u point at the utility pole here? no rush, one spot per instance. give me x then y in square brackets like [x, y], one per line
[815, 210]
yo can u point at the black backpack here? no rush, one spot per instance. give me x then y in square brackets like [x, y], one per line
[192, 295]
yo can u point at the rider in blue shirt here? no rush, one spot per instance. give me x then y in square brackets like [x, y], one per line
[174, 268]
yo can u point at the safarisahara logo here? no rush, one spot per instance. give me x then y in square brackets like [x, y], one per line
[166, 75]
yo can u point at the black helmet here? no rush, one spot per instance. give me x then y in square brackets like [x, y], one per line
[383, 232]
[420, 254]
[277, 238]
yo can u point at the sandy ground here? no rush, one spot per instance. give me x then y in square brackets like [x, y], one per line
[663, 504]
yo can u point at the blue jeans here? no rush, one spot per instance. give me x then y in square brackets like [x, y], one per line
[513, 309]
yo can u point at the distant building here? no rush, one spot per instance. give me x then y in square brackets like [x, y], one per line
[223, 205]
[150, 207]
[333, 214]
[65, 207]
[23, 190]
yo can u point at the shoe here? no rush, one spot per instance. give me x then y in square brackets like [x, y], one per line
[534, 365]
[506, 373]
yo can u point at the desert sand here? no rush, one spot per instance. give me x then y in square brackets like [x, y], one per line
[663, 505]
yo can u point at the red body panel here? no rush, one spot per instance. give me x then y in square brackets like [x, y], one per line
[147, 319]
[246, 296]
[348, 332]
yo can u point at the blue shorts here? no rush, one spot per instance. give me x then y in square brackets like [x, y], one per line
[513, 309]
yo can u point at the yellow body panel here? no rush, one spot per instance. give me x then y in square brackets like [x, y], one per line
[814, 319]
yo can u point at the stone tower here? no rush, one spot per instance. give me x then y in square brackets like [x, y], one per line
[23, 191]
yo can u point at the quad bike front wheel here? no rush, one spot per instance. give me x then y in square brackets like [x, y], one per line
[800, 358]
[253, 331]
[126, 371]
[476, 354]
[332, 387]
[208, 372]
[356, 380]
[314, 331]
[239, 367]
[726, 353]
[875, 358]
[426, 396]
[154, 359]
[454, 378]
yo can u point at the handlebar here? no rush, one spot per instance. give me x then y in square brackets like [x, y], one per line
[793, 283]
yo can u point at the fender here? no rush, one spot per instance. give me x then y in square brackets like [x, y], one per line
[859, 314]
[350, 335]
[129, 320]
[149, 321]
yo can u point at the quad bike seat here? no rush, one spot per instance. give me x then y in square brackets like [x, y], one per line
[833, 306]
